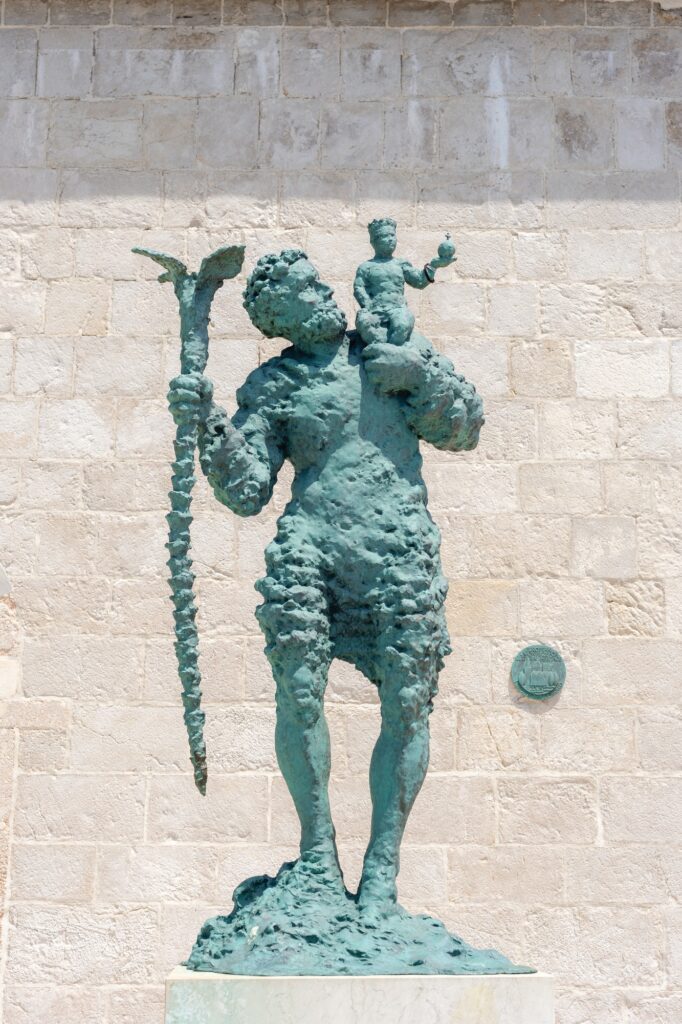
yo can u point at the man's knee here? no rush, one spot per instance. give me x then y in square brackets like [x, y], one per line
[407, 687]
[300, 693]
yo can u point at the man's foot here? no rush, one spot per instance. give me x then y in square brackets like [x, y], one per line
[378, 894]
[322, 862]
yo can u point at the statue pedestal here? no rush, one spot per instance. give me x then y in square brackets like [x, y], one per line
[195, 997]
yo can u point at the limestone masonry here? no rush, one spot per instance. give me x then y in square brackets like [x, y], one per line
[547, 137]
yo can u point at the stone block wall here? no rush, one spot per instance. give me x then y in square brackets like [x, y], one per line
[548, 137]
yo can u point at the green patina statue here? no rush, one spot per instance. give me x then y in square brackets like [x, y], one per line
[353, 573]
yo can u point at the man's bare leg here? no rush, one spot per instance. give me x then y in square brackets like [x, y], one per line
[397, 771]
[303, 752]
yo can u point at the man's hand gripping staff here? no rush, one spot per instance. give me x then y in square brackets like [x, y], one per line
[195, 292]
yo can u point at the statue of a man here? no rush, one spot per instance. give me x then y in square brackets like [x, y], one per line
[354, 571]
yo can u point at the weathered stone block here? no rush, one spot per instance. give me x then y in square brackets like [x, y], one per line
[619, 12]
[622, 199]
[663, 1008]
[78, 306]
[23, 126]
[305, 12]
[630, 670]
[657, 734]
[600, 741]
[562, 488]
[43, 750]
[26, 12]
[482, 874]
[24, 1003]
[370, 64]
[482, 608]
[624, 940]
[47, 944]
[65, 62]
[674, 132]
[640, 134]
[80, 12]
[539, 255]
[422, 12]
[604, 546]
[52, 873]
[446, 809]
[539, 811]
[664, 254]
[311, 63]
[635, 809]
[600, 64]
[22, 307]
[513, 310]
[18, 55]
[650, 430]
[542, 369]
[482, 12]
[77, 605]
[159, 61]
[168, 133]
[289, 133]
[76, 428]
[197, 12]
[257, 61]
[533, 544]
[636, 608]
[95, 807]
[561, 608]
[52, 485]
[90, 134]
[47, 253]
[491, 62]
[584, 133]
[234, 810]
[657, 62]
[358, 12]
[496, 740]
[252, 12]
[576, 310]
[227, 132]
[549, 12]
[142, 12]
[577, 430]
[622, 368]
[351, 135]
[600, 255]
[105, 199]
[464, 140]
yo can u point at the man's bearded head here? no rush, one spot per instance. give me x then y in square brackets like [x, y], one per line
[285, 298]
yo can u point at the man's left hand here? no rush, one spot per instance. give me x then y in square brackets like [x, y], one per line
[392, 368]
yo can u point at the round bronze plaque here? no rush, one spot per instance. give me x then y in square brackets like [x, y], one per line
[538, 671]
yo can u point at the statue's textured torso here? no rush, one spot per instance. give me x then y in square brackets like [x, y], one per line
[356, 533]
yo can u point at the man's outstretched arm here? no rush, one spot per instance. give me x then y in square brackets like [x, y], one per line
[240, 456]
[440, 405]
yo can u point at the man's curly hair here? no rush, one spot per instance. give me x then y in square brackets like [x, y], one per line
[261, 295]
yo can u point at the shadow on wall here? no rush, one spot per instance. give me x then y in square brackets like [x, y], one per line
[451, 105]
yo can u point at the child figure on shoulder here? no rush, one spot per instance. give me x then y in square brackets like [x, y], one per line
[379, 286]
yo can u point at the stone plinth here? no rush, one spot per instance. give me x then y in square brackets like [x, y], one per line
[204, 998]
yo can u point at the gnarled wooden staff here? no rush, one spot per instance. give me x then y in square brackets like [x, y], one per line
[195, 294]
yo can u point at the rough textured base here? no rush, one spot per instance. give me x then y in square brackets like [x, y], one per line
[304, 922]
[220, 999]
